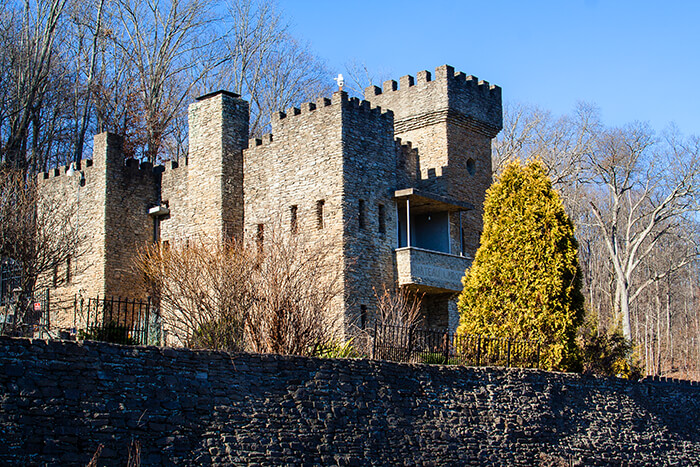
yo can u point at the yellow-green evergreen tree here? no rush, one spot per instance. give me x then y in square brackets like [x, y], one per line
[525, 280]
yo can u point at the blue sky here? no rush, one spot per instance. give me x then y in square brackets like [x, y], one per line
[636, 60]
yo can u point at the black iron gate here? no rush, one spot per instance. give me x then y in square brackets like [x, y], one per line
[121, 321]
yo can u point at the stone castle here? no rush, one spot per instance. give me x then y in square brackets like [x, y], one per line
[395, 183]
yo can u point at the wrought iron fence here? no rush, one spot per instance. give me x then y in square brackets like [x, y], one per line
[121, 321]
[416, 345]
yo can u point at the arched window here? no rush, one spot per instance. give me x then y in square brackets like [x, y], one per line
[471, 166]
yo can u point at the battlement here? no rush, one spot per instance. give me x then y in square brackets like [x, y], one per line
[131, 166]
[339, 99]
[63, 170]
[442, 73]
[464, 97]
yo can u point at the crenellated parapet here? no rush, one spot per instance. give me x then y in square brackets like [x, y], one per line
[285, 121]
[108, 161]
[445, 95]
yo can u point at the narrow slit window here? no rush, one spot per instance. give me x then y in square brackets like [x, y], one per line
[361, 214]
[55, 275]
[260, 237]
[68, 271]
[363, 316]
[319, 213]
[381, 213]
[293, 219]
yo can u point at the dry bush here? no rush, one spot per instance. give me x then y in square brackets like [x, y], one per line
[237, 297]
[293, 287]
[201, 289]
[398, 316]
[399, 307]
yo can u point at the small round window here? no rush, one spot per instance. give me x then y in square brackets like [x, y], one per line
[471, 166]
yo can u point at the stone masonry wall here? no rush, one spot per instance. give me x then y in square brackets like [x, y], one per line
[343, 152]
[85, 202]
[370, 173]
[111, 217]
[175, 226]
[218, 134]
[60, 400]
[300, 164]
[130, 191]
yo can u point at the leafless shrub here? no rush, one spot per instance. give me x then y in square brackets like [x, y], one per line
[398, 315]
[200, 287]
[235, 296]
[399, 307]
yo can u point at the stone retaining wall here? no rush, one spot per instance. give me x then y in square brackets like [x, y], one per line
[60, 400]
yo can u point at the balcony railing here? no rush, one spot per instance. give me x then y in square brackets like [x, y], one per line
[431, 270]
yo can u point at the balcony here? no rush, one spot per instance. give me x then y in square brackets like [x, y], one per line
[430, 271]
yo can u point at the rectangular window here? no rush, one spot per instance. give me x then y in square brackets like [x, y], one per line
[55, 275]
[361, 214]
[293, 219]
[319, 213]
[260, 237]
[382, 219]
[363, 316]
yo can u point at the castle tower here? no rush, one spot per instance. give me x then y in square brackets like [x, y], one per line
[107, 198]
[450, 120]
[327, 174]
[218, 134]
[130, 190]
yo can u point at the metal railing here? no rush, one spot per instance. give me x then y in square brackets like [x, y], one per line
[121, 321]
[416, 345]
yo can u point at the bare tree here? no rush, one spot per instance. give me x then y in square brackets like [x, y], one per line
[38, 233]
[86, 31]
[32, 47]
[266, 65]
[561, 143]
[643, 195]
[170, 47]
[358, 76]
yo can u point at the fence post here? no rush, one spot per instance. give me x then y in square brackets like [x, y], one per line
[447, 347]
[508, 357]
[374, 341]
[48, 310]
[147, 319]
[87, 322]
[478, 352]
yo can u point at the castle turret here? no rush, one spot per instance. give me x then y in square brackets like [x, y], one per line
[218, 134]
[450, 120]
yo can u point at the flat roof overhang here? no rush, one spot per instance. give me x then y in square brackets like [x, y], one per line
[422, 201]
